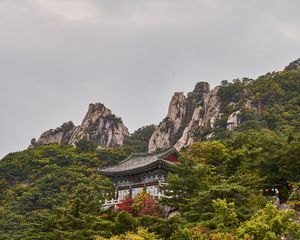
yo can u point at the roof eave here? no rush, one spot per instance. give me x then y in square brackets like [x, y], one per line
[167, 165]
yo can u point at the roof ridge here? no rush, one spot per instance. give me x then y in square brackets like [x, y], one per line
[153, 153]
[126, 159]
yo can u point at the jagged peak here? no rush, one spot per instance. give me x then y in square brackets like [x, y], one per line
[177, 102]
[98, 107]
[178, 94]
[293, 66]
[97, 111]
[99, 125]
[202, 87]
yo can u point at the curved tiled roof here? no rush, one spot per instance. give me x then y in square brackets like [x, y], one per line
[138, 162]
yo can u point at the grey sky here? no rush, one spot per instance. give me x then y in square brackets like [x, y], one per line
[57, 56]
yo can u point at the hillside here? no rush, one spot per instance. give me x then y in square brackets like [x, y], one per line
[55, 191]
[240, 147]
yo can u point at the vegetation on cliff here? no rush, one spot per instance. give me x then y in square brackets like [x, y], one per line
[272, 101]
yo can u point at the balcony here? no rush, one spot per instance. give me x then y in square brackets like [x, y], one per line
[113, 202]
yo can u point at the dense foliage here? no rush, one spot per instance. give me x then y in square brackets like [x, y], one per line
[219, 191]
[139, 139]
[272, 101]
[221, 185]
[50, 190]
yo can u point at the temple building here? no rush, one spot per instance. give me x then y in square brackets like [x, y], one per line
[141, 172]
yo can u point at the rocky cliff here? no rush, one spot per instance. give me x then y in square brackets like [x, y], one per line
[204, 117]
[271, 102]
[99, 126]
[184, 115]
[61, 134]
[165, 133]
[197, 117]
[293, 66]
[241, 104]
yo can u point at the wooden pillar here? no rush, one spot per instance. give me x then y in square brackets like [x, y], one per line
[158, 187]
[117, 193]
[130, 190]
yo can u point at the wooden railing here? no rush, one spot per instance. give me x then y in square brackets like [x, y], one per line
[112, 202]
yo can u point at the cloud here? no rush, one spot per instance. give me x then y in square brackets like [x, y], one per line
[68, 10]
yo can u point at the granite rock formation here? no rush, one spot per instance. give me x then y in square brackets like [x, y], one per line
[169, 127]
[61, 135]
[99, 126]
[293, 66]
[204, 117]
[233, 120]
[182, 114]
[196, 120]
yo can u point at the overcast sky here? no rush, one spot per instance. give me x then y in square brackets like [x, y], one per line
[57, 56]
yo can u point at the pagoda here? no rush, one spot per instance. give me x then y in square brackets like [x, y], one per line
[141, 172]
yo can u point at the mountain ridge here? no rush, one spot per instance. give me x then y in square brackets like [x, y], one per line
[199, 115]
[206, 112]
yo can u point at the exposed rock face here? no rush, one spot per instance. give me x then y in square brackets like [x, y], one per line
[61, 134]
[183, 111]
[198, 119]
[195, 98]
[233, 120]
[204, 117]
[99, 126]
[169, 127]
[293, 66]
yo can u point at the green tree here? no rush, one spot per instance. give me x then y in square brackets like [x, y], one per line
[187, 234]
[139, 139]
[84, 145]
[124, 222]
[270, 224]
[185, 183]
[224, 217]
[141, 234]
